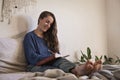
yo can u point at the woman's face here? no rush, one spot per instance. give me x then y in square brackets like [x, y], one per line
[45, 23]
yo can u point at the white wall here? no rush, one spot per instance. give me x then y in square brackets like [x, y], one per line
[113, 12]
[81, 24]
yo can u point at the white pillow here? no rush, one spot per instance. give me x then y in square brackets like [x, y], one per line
[12, 58]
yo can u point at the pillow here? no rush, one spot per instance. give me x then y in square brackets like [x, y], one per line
[12, 58]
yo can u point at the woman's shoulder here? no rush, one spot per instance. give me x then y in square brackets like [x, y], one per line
[30, 34]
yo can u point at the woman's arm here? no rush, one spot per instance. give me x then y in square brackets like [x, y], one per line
[46, 60]
[30, 47]
[50, 58]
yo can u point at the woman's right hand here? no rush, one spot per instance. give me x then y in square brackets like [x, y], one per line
[57, 55]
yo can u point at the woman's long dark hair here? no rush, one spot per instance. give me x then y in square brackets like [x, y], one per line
[51, 35]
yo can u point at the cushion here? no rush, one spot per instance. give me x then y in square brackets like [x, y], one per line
[12, 58]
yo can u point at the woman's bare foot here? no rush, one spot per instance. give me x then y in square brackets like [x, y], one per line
[97, 65]
[84, 69]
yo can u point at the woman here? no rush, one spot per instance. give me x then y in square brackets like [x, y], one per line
[42, 49]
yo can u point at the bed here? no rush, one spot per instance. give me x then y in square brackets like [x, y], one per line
[13, 66]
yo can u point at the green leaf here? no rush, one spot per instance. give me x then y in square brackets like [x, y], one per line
[82, 52]
[89, 53]
[118, 60]
[96, 58]
[82, 59]
[84, 55]
[100, 57]
[105, 57]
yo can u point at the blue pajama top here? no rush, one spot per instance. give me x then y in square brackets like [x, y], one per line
[35, 48]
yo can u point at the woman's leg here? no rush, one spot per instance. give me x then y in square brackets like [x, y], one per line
[63, 64]
[78, 70]
[97, 65]
[83, 69]
[39, 68]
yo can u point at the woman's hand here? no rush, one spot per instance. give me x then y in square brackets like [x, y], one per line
[57, 55]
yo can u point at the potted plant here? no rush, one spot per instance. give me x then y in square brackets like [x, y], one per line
[107, 60]
[85, 57]
[117, 61]
[98, 58]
